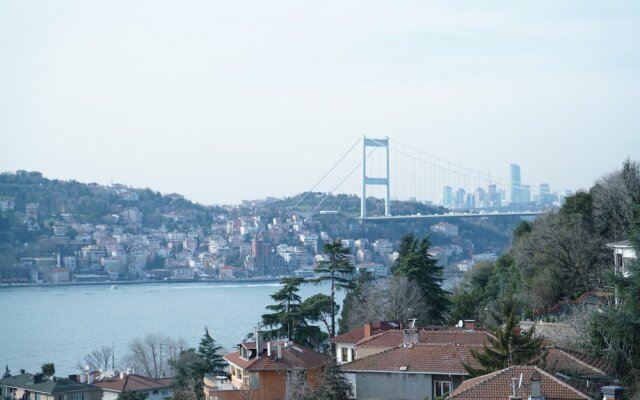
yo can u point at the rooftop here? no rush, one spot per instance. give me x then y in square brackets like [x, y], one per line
[45, 385]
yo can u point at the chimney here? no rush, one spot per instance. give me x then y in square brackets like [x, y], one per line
[469, 324]
[37, 378]
[73, 378]
[259, 342]
[269, 348]
[22, 371]
[515, 385]
[367, 329]
[83, 378]
[536, 388]
[612, 392]
[411, 336]
[89, 378]
[121, 375]
[279, 352]
[516, 331]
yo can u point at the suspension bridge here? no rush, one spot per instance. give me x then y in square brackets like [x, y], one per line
[394, 171]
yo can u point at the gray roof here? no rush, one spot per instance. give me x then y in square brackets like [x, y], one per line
[624, 243]
[55, 385]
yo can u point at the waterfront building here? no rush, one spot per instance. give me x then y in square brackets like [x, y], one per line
[27, 386]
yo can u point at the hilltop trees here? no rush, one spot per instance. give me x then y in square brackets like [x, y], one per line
[415, 263]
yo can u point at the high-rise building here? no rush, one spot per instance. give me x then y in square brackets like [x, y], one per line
[545, 194]
[447, 196]
[460, 198]
[525, 194]
[516, 184]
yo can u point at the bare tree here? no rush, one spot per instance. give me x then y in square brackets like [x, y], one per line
[98, 359]
[400, 299]
[151, 356]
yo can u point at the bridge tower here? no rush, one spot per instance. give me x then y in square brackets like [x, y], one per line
[382, 181]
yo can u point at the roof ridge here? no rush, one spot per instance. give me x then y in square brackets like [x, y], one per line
[574, 357]
[562, 382]
[374, 336]
[375, 354]
[483, 379]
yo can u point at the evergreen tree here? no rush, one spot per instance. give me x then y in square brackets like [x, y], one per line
[7, 373]
[339, 270]
[286, 313]
[508, 347]
[415, 262]
[188, 374]
[334, 385]
[209, 351]
[48, 369]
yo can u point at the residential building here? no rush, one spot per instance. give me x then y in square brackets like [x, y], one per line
[445, 229]
[346, 343]
[412, 371]
[27, 386]
[623, 255]
[154, 389]
[520, 382]
[265, 370]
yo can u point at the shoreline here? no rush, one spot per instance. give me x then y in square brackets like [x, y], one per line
[118, 283]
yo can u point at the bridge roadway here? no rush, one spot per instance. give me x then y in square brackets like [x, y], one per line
[460, 215]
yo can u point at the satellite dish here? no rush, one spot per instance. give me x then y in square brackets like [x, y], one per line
[460, 324]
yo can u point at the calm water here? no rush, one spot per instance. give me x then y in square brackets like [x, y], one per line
[62, 324]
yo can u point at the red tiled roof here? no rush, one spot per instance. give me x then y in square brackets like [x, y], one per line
[574, 363]
[580, 300]
[418, 358]
[133, 382]
[497, 386]
[357, 334]
[293, 356]
[394, 338]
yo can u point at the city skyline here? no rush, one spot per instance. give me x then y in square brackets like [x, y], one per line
[224, 102]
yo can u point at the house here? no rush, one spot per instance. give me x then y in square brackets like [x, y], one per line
[589, 301]
[520, 382]
[623, 255]
[385, 340]
[265, 369]
[27, 386]
[154, 389]
[410, 371]
[346, 343]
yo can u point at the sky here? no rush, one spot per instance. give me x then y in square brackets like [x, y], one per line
[224, 101]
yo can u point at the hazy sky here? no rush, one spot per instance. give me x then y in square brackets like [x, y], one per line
[224, 101]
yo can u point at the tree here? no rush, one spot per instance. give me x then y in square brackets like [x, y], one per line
[334, 385]
[48, 369]
[132, 395]
[209, 351]
[7, 373]
[359, 305]
[151, 356]
[508, 347]
[98, 359]
[615, 332]
[287, 309]
[339, 271]
[189, 369]
[415, 262]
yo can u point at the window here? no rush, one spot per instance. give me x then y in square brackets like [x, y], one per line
[353, 354]
[77, 396]
[344, 354]
[37, 396]
[165, 392]
[442, 388]
[155, 391]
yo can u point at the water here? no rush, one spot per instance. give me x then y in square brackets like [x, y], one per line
[61, 324]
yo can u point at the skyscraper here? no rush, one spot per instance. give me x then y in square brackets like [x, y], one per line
[516, 185]
[447, 196]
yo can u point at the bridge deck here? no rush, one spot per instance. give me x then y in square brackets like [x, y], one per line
[459, 215]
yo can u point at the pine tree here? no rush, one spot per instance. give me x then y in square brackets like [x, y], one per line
[339, 270]
[286, 313]
[7, 373]
[507, 347]
[415, 262]
[209, 351]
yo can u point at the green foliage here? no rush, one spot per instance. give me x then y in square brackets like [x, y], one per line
[7, 373]
[506, 347]
[209, 351]
[334, 385]
[48, 369]
[132, 395]
[338, 270]
[286, 313]
[415, 262]
[188, 373]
